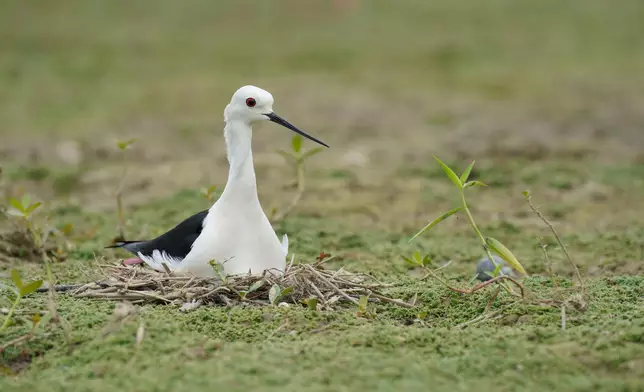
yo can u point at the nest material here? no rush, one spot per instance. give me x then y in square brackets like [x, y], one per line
[306, 284]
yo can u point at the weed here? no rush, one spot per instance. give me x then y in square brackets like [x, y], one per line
[19, 289]
[123, 146]
[489, 244]
[297, 158]
[24, 209]
[528, 198]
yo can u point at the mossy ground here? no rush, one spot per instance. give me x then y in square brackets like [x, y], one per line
[545, 97]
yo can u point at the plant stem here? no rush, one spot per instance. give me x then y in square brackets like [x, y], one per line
[13, 308]
[298, 195]
[561, 244]
[476, 229]
[119, 201]
[478, 232]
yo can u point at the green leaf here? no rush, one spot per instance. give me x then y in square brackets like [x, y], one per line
[450, 173]
[296, 143]
[312, 303]
[286, 292]
[286, 155]
[125, 144]
[436, 221]
[274, 294]
[17, 281]
[466, 173]
[526, 193]
[256, 285]
[418, 258]
[497, 269]
[426, 260]
[410, 261]
[311, 152]
[26, 200]
[17, 205]
[32, 207]
[473, 183]
[500, 249]
[362, 303]
[30, 287]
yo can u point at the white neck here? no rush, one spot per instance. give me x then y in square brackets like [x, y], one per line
[241, 176]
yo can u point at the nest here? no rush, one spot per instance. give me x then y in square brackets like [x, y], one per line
[306, 284]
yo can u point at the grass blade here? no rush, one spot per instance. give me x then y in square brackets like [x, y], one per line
[450, 173]
[466, 173]
[500, 249]
[436, 221]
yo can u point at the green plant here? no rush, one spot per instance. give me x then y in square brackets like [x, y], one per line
[20, 289]
[123, 146]
[489, 244]
[580, 280]
[276, 293]
[209, 193]
[297, 157]
[24, 210]
[254, 287]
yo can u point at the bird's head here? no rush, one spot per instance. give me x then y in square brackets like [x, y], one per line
[250, 104]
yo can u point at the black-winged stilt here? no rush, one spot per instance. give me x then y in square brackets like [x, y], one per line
[235, 230]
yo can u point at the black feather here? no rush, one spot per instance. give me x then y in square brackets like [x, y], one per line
[177, 242]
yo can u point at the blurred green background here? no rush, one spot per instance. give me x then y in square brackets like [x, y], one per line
[545, 95]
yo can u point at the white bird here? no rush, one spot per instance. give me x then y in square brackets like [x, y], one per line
[235, 231]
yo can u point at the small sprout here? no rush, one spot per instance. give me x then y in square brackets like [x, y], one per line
[209, 193]
[219, 270]
[297, 157]
[363, 309]
[363, 302]
[20, 290]
[276, 293]
[124, 145]
[488, 243]
[312, 303]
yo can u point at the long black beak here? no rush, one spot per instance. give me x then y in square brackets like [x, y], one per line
[279, 120]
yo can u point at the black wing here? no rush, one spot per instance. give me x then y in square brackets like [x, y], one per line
[177, 242]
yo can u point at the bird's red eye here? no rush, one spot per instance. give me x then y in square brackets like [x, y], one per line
[250, 102]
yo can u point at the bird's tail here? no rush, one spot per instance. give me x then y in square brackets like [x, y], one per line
[121, 244]
[158, 259]
[127, 245]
